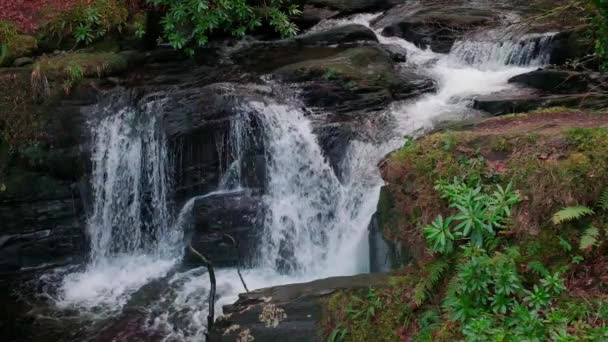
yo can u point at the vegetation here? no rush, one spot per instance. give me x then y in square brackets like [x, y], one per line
[600, 30]
[188, 24]
[499, 210]
[86, 21]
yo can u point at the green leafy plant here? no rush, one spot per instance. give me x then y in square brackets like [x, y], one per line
[86, 21]
[478, 214]
[188, 24]
[337, 335]
[432, 273]
[571, 213]
[8, 32]
[599, 27]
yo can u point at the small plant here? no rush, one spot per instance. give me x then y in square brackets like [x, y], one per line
[591, 236]
[188, 24]
[478, 214]
[337, 335]
[330, 74]
[87, 21]
[75, 74]
[8, 32]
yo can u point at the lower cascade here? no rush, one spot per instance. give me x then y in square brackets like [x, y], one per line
[312, 211]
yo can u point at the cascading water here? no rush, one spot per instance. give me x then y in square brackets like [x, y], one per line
[316, 223]
[130, 228]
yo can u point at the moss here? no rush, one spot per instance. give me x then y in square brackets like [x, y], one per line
[19, 46]
[98, 64]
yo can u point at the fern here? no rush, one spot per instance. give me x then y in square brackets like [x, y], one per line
[433, 272]
[571, 213]
[603, 201]
[537, 267]
[589, 238]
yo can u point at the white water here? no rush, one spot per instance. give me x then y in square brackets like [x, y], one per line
[130, 229]
[316, 224]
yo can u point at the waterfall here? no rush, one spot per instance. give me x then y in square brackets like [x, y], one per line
[528, 50]
[130, 186]
[130, 228]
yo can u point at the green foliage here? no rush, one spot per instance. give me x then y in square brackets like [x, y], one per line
[433, 272]
[603, 200]
[589, 238]
[75, 74]
[337, 335]
[365, 307]
[87, 21]
[8, 32]
[478, 214]
[599, 25]
[187, 24]
[571, 213]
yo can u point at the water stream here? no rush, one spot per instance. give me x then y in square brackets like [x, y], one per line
[316, 223]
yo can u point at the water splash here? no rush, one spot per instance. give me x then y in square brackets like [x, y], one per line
[131, 230]
[528, 50]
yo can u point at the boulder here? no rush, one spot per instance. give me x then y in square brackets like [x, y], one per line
[437, 26]
[23, 61]
[570, 45]
[312, 15]
[266, 56]
[358, 80]
[236, 213]
[19, 46]
[352, 6]
[506, 104]
[291, 312]
[559, 81]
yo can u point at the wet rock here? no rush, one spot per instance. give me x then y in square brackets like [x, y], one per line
[358, 80]
[264, 57]
[312, 15]
[397, 53]
[557, 81]
[291, 312]
[198, 121]
[505, 104]
[23, 61]
[237, 214]
[437, 26]
[352, 6]
[561, 81]
[570, 45]
[19, 46]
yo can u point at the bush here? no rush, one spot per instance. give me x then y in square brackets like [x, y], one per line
[187, 24]
[87, 21]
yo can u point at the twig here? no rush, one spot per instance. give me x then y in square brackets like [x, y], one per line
[238, 259]
[211, 314]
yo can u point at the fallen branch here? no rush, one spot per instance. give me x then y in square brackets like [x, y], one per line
[209, 265]
[238, 259]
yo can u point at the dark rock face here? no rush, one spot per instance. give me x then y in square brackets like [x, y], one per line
[292, 312]
[238, 214]
[312, 15]
[569, 45]
[501, 104]
[435, 26]
[557, 81]
[266, 56]
[352, 6]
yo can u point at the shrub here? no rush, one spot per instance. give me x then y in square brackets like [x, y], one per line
[187, 24]
[86, 21]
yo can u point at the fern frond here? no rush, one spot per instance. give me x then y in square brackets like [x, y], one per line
[603, 201]
[537, 267]
[571, 213]
[432, 274]
[589, 238]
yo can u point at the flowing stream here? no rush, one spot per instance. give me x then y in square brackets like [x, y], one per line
[316, 223]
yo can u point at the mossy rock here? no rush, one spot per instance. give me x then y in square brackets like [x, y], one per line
[554, 158]
[88, 64]
[19, 46]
